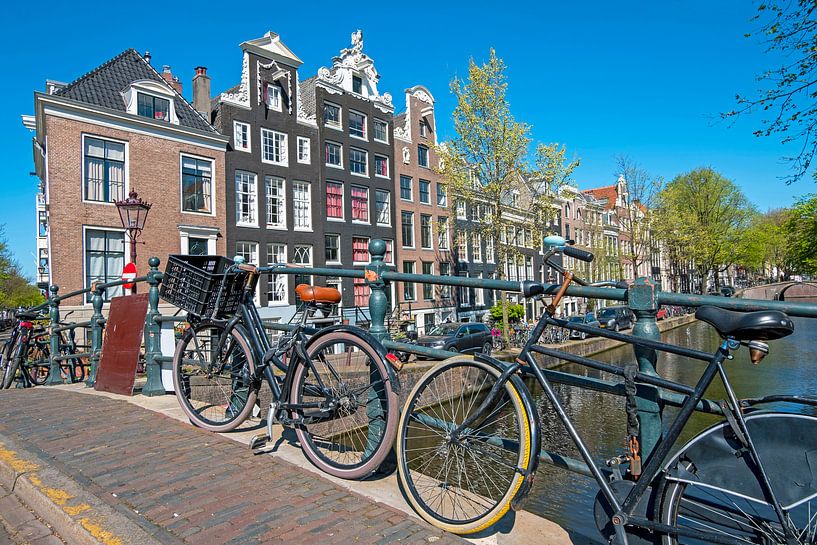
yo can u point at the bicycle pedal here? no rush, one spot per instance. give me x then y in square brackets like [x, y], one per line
[259, 440]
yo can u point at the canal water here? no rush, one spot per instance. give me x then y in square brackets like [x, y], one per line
[567, 498]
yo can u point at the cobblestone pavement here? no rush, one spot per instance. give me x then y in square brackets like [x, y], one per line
[187, 486]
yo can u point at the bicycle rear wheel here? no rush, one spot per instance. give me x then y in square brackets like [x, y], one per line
[15, 360]
[466, 485]
[38, 363]
[349, 414]
[712, 486]
[213, 382]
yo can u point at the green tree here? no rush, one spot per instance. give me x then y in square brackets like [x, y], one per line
[15, 289]
[487, 165]
[764, 245]
[786, 93]
[704, 214]
[801, 228]
[515, 312]
[636, 216]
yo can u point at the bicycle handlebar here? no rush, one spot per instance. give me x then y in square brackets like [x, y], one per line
[577, 253]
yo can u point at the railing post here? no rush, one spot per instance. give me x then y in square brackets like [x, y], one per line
[153, 350]
[378, 301]
[642, 301]
[96, 334]
[54, 338]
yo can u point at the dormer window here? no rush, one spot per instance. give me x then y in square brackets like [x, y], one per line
[153, 107]
[272, 96]
[357, 85]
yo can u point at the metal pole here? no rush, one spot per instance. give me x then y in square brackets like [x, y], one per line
[54, 338]
[96, 334]
[153, 348]
[378, 301]
[642, 301]
[132, 234]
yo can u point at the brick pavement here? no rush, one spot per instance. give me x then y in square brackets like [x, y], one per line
[182, 485]
[19, 526]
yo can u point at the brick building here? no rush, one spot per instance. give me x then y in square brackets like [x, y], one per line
[421, 206]
[124, 127]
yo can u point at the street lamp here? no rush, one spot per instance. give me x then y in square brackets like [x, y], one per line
[133, 212]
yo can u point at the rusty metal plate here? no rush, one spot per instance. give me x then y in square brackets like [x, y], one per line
[123, 340]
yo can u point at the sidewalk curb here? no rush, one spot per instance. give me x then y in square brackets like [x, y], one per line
[78, 516]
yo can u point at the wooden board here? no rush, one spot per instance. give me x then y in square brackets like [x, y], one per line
[120, 348]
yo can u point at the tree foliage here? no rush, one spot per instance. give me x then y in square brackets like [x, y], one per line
[801, 230]
[635, 218]
[787, 94]
[705, 215]
[15, 289]
[515, 312]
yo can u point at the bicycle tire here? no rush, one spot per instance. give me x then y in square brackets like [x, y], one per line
[13, 364]
[38, 368]
[708, 486]
[356, 441]
[423, 448]
[218, 401]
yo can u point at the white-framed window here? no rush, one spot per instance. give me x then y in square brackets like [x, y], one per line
[272, 96]
[461, 246]
[304, 150]
[425, 231]
[357, 125]
[442, 232]
[382, 207]
[249, 251]
[422, 156]
[476, 247]
[334, 200]
[423, 128]
[360, 250]
[274, 147]
[360, 204]
[442, 195]
[405, 188]
[331, 115]
[407, 228]
[409, 288]
[332, 243]
[302, 206]
[277, 292]
[425, 191]
[489, 250]
[389, 257]
[197, 240]
[334, 155]
[428, 289]
[464, 292]
[381, 131]
[381, 166]
[479, 293]
[275, 191]
[302, 255]
[197, 184]
[246, 199]
[152, 107]
[359, 161]
[104, 258]
[241, 136]
[104, 165]
[461, 210]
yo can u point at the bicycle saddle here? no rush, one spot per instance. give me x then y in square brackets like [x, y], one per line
[761, 325]
[318, 294]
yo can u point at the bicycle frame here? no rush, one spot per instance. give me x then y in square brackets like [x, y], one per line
[624, 511]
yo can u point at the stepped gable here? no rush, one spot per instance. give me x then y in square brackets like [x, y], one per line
[104, 85]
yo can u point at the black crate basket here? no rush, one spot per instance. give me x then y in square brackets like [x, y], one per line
[194, 282]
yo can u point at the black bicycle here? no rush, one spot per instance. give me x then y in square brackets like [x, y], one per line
[24, 356]
[335, 387]
[468, 443]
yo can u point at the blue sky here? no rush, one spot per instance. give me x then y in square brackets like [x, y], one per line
[642, 79]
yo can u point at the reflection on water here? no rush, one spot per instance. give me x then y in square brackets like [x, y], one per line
[567, 498]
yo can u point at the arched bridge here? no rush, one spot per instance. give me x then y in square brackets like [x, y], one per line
[799, 292]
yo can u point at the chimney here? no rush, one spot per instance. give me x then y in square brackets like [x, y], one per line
[147, 57]
[201, 92]
[173, 81]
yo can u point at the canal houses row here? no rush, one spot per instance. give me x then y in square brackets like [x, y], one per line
[279, 168]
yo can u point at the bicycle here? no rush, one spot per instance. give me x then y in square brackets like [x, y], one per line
[468, 443]
[337, 387]
[24, 355]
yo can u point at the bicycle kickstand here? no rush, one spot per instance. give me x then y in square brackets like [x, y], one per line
[258, 441]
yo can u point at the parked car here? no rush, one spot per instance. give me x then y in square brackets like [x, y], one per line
[459, 337]
[727, 291]
[615, 318]
[588, 319]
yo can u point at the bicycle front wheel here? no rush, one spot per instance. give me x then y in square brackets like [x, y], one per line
[346, 405]
[712, 486]
[15, 360]
[466, 484]
[212, 379]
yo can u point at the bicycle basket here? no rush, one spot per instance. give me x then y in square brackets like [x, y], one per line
[194, 282]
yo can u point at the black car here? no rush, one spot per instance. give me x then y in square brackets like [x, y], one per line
[459, 337]
[586, 319]
[615, 318]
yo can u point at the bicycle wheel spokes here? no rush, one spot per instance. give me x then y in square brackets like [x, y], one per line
[345, 405]
[464, 484]
[212, 381]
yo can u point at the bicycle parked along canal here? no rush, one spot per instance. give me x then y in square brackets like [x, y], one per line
[336, 388]
[468, 443]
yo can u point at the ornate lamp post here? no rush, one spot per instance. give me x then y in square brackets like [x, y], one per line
[133, 212]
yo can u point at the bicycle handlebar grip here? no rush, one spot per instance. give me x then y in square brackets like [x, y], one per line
[246, 267]
[578, 254]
